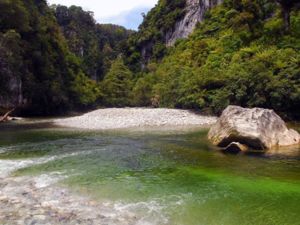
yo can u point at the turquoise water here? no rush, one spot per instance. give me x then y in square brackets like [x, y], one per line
[168, 177]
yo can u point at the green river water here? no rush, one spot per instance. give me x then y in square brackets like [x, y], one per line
[167, 177]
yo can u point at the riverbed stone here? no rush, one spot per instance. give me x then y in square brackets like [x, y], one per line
[256, 128]
[236, 147]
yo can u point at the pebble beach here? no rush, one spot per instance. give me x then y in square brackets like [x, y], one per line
[118, 118]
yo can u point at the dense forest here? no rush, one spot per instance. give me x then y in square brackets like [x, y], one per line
[55, 58]
[52, 57]
[245, 53]
[96, 45]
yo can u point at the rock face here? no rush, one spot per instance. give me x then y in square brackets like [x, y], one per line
[257, 128]
[14, 97]
[195, 10]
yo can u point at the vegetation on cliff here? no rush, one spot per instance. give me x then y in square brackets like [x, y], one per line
[244, 53]
[149, 42]
[38, 55]
[96, 45]
[57, 54]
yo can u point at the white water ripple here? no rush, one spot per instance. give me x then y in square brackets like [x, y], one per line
[9, 166]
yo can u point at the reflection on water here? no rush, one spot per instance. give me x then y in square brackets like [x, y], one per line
[159, 176]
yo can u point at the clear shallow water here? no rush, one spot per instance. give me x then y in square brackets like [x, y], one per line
[164, 177]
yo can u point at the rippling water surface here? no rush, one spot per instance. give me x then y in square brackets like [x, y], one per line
[160, 176]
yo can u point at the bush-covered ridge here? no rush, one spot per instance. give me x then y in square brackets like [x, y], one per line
[54, 55]
[149, 42]
[242, 54]
[96, 45]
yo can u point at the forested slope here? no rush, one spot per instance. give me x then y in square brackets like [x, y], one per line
[94, 44]
[54, 59]
[50, 57]
[245, 53]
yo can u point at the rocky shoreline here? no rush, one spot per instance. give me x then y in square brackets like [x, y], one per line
[119, 118]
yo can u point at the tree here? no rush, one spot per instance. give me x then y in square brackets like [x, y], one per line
[117, 84]
[286, 8]
[86, 91]
[14, 15]
[89, 41]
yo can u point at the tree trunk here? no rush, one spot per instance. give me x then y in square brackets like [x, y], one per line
[6, 115]
[286, 12]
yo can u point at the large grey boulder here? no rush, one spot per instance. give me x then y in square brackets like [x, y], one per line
[257, 128]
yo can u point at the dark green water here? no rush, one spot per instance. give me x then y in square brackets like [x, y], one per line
[168, 177]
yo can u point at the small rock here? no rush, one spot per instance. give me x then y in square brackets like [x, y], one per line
[3, 198]
[236, 147]
[45, 204]
[39, 217]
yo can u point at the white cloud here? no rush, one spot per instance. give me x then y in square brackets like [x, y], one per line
[104, 9]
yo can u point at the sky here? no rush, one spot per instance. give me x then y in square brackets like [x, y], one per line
[126, 13]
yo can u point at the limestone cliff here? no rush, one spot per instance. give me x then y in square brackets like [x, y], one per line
[168, 22]
[194, 13]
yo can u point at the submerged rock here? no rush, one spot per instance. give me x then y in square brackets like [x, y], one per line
[257, 128]
[236, 147]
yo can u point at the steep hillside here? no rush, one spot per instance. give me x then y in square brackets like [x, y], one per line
[243, 53]
[202, 55]
[95, 44]
[36, 67]
[167, 22]
[50, 57]
[194, 12]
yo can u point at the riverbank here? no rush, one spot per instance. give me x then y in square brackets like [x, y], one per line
[118, 118]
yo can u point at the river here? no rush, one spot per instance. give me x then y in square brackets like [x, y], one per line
[52, 175]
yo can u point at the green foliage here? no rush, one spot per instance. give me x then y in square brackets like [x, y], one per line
[56, 69]
[85, 90]
[117, 85]
[9, 59]
[150, 37]
[270, 78]
[14, 15]
[241, 54]
[238, 55]
[142, 92]
[34, 51]
[95, 45]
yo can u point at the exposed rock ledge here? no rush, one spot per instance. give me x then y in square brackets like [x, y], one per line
[194, 13]
[260, 129]
[117, 118]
